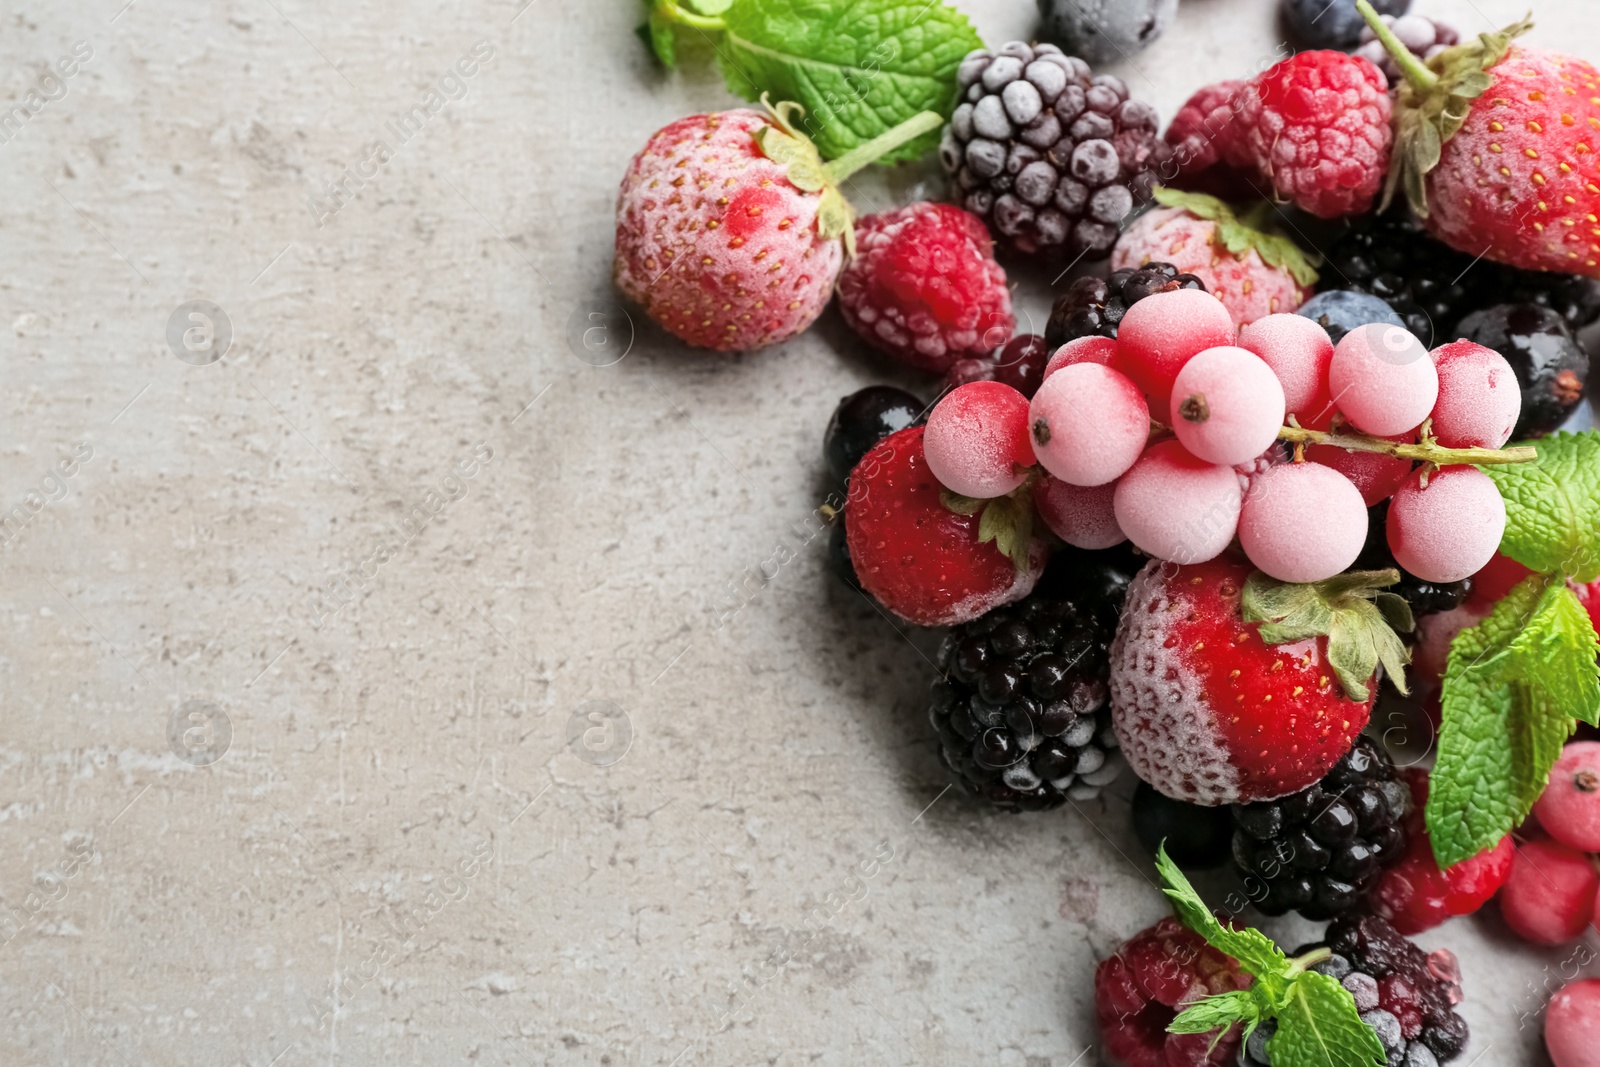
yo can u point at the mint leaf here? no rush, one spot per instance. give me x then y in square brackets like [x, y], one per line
[859, 67]
[708, 7]
[1318, 1026]
[1553, 506]
[1219, 1013]
[1253, 949]
[1505, 716]
[658, 33]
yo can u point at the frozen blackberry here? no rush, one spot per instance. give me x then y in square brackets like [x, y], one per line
[1094, 306]
[1049, 154]
[1408, 996]
[1023, 712]
[1319, 851]
[1550, 366]
[1196, 837]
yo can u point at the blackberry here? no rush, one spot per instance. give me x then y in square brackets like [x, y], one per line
[1423, 38]
[1094, 306]
[1196, 837]
[1319, 851]
[861, 420]
[1049, 154]
[1550, 366]
[1023, 712]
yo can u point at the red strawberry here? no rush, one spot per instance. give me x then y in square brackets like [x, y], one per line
[1496, 150]
[731, 229]
[921, 560]
[1209, 712]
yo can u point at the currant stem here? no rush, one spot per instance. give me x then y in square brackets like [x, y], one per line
[1427, 452]
[881, 145]
[1415, 71]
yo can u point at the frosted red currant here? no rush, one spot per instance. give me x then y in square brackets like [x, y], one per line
[1479, 398]
[1176, 507]
[1382, 379]
[1549, 898]
[1572, 1025]
[1227, 405]
[1377, 476]
[1569, 808]
[1163, 331]
[1090, 349]
[977, 441]
[1298, 351]
[1451, 528]
[1302, 522]
[1082, 516]
[1089, 423]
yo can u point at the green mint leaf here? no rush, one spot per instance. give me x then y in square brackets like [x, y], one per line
[1254, 950]
[1219, 1013]
[659, 33]
[1553, 506]
[1504, 720]
[1318, 1026]
[859, 67]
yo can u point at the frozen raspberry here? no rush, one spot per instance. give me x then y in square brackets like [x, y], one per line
[1302, 522]
[1479, 398]
[1141, 989]
[1227, 405]
[1572, 1025]
[1089, 424]
[1415, 895]
[1316, 126]
[1082, 516]
[1202, 237]
[1091, 349]
[1383, 379]
[925, 288]
[920, 560]
[1549, 898]
[1376, 476]
[1160, 333]
[1203, 132]
[977, 440]
[1298, 351]
[1176, 507]
[1569, 810]
[1451, 528]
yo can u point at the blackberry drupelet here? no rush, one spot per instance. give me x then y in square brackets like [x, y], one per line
[1023, 712]
[1094, 306]
[1049, 154]
[1319, 851]
[1551, 367]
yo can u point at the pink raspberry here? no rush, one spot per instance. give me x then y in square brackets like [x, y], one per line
[1316, 126]
[1204, 132]
[1141, 989]
[925, 288]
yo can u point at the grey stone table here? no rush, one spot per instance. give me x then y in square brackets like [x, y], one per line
[296, 642]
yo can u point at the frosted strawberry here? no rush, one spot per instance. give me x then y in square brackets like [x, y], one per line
[1253, 272]
[731, 229]
[1217, 700]
[1495, 149]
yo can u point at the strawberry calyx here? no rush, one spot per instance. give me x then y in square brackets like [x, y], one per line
[784, 144]
[1005, 520]
[1434, 101]
[1354, 611]
[1240, 236]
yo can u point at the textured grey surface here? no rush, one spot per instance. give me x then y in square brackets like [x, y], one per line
[645, 912]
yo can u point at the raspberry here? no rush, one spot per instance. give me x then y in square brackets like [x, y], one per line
[1383, 379]
[1094, 306]
[1202, 133]
[1479, 399]
[1051, 156]
[1302, 522]
[1227, 406]
[1141, 989]
[1450, 529]
[1298, 351]
[1569, 810]
[1089, 424]
[1316, 126]
[1176, 507]
[921, 561]
[924, 287]
[1159, 334]
[977, 440]
[1572, 1025]
[1549, 898]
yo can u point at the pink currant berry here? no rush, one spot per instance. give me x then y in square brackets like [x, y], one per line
[1302, 522]
[1089, 424]
[1082, 516]
[1479, 398]
[1572, 1025]
[1382, 379]
[1227, 405]
[1376, 475]
[1549, 898]
[977, 440]
[1450, 529]
[1090, 349]
[1569, 810]
[1160, 333]
[1298, 351]
[1176, 507]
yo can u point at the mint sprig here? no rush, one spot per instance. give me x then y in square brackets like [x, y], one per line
[1517, 682]
[859, 67]
[1318, 1024]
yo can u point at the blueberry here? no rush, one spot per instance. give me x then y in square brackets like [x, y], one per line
[1195, 836]
[1339, 311]
[1103, 31]
[1333, 23]
[1550, 366]
[861, 420]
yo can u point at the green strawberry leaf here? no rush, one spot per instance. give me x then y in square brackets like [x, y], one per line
[659, 33]
[961, 505]
[1511, 688]
[1351, 610]
[1318, 1026]
[1553, 506]
[1240, 236]
[860, 67]
[1008, 522]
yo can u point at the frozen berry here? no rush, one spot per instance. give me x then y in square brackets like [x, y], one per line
[1422, 37]
[861, 420]
[1195, 836]
[1451, 528]
[1298, 351]
[1161, 333]
[1338, 311]
[1227, 405]
[1302, 522]
[1140, 990]
[1383, 380]
[1082, 516]
[1572, 1025]
[1019, 363]
[1550, 366]
[1090, 349]
[1094, 306]
[1176, 507]
[1089, 424]
[1104, 31]
[977, 441]
[1333, 23]
[1479, 399]
[1374, 475]
[1549, 898]
[1569, 809]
